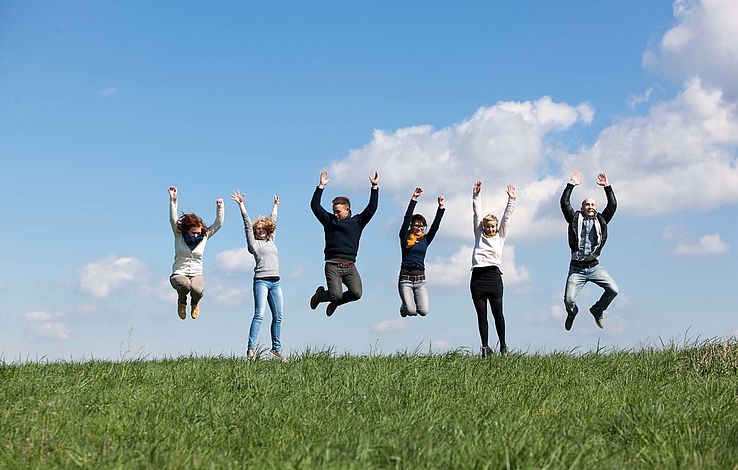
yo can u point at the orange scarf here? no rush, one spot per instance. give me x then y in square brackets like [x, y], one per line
[412, 239]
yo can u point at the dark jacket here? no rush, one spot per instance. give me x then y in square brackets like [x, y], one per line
[414, 257]
[574, 219]
[342, 236]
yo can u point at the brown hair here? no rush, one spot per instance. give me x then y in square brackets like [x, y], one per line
[342, 200]
[420, 218]
[188, 221]
[269, 226]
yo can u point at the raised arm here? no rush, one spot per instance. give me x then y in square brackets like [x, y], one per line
[612, 203]
[321, 214]
[219, 216]
[565, 201]
[366, 215]
[173, 208]
[247, 226]
[477, 205]
[511, 199]
[275, 208]
[436, 220]
[407, 219]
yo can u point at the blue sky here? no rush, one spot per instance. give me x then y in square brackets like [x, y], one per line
[103, 105]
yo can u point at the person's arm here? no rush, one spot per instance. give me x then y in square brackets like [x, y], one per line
[366, 215]
[407, 219]
[511, 199]
[321, 214]
[275, 208]
[612, 203]
[565, 201]
[436, 220]
[173, 208]
[219, 213]
[477, 206]
[247, 227]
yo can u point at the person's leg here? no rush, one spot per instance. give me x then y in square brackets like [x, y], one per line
[495, 300]
[182, 285]
[197, 290]
[421, 298]
[601, 277]
[333, 281]
[275, 305]
[261, 288]
[352, 280]
[408, 298]
[574, 283]
[480, 305]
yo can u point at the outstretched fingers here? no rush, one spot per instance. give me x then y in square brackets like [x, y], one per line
[511, 190]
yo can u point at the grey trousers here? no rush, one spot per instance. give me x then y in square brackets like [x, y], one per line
[193, 285]
[335, 275]
[414, 295]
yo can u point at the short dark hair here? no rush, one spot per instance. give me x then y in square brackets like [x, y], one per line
[342, 200]
[420, 218]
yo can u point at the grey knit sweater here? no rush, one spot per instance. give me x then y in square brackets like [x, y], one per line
[264, 251]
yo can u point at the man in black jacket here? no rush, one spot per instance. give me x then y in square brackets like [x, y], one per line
[342, 234]
[587, 235]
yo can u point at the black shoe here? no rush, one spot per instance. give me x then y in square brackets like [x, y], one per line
[569, 322]
[503, 349]
[403, 312]
[331, 308]
[598, 316]
[486, 351]
[314, 300]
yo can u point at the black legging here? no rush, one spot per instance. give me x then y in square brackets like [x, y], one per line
[486, 285]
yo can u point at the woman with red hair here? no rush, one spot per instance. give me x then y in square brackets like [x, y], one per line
[190, 237]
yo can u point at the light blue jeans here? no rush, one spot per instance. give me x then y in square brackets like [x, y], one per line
[414, 296]
[267, 292]
[578, 277]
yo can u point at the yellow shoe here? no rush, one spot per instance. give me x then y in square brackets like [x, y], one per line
[182, 310]
[195, 311]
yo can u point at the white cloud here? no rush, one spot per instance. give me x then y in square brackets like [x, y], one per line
[703, 43]
[46, 325]
[456, 269]
[389, 325]
[296, 272]
[635, 100]
[162, 291]
[707, 245]
[557, 312]
[99, 277]
[109, 91]
[237, 259]
[224, 295]
[439, 345]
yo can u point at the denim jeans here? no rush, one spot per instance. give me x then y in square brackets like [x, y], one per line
[267, 292]
[414, 295]
[578, 277]
[335, 276]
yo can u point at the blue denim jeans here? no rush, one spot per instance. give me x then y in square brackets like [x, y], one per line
[267, 292]
[414, 295]
[578, 277]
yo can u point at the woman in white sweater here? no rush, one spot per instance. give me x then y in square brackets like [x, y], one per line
[267, 289]
[190, 237]
[486, 280]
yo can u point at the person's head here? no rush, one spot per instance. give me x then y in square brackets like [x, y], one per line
[589, 208]
[341, 207]
[264, 228]
[191, 224]
[489, 225]
[418, 224]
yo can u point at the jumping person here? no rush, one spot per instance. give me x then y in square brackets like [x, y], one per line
[587, 235]
[414, 242]
[260, 237]
[342, 234]
[486, 279]
[190, 237]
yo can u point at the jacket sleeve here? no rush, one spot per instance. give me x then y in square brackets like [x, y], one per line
[612, 204]
[434, 226]
[275, 209]
[506, 216]
[405, 227]
[366, 215]
[173, 214]
[566, 208]
[321, 214]
[477, 209]
[219, 211]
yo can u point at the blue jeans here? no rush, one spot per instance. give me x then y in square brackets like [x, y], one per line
[414, 295]
[578, 277]
[271, 292]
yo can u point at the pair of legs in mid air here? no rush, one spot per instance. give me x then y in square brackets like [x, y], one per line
[577, 278]
[336, 276]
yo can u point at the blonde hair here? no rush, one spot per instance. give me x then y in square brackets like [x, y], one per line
[270, 226]
[489, 218]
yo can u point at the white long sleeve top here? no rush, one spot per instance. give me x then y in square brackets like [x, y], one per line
[488, 250]
[189, 262]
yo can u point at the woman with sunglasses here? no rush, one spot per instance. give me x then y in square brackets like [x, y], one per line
[414, 241]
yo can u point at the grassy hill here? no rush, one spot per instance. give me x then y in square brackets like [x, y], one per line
[656, 409]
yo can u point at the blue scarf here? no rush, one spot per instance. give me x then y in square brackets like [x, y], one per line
[191, 241]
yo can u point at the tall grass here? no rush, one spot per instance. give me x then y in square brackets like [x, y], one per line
[671, 408]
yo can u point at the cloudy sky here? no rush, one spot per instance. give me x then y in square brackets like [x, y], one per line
[104, 105]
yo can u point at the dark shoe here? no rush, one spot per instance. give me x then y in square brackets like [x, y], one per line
[250, 354]
[403, 312]
[486, 351]
[314, 300]
[331, 308]
[503, 350]
[598, 316]
[277, 354]
[569, 322]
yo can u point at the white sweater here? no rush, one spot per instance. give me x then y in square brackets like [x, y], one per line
[488, 251]
[189, 262]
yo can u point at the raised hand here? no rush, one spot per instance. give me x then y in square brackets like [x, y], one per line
[576, 178]
[237, 196]
[374, 179]
[511, 191]
[276, 200]
[602, 179]
[477, 188]
[219, 202]
[441, 201]
[416, 194]
[173, 192]
[323, 178]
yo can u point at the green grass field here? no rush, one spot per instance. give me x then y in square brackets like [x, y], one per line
[668, 408]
